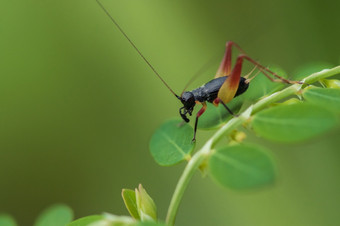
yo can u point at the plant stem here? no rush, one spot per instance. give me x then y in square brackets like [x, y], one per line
[204, 152]
[187, 174]
[322, 74]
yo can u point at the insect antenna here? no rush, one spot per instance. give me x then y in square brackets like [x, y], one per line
[134, 46]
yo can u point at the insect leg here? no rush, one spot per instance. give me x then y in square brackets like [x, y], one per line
[199, 113]
[265, 71]
[229, 88]
[225, 67]
[218, 100]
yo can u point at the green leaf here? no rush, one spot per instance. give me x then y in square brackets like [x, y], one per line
[325, 97]
[292, 123]
[56, 215]
[171, 143]
[145, 205]
[115, 220]
[242, 167]
[84, 221]
[129, 197]
[7, 220]
[331, 83]
[214, 117]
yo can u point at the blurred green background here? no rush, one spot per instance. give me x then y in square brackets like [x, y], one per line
[78, 105]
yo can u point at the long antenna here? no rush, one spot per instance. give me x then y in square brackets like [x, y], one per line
[133, 45]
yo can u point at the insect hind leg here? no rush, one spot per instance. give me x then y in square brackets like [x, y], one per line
[266, 70]
[225, 66]
[218, 100]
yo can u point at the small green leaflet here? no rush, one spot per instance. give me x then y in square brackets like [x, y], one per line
[242, 167]
[171, 143]
[292, 123]
[55, 215]
[7, 220]
[129, 197]
[325, 97]
[85, 221]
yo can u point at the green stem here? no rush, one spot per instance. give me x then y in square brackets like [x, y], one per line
[204, 152]
[187, 174]
[322, 74]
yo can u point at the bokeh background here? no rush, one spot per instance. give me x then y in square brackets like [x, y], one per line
[78, 105]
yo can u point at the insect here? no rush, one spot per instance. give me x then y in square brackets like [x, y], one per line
[226, 85]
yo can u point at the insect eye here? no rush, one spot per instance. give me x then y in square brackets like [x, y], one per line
[188, 99]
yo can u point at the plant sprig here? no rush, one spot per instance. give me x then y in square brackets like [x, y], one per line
[236, 165]
[208, 148]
